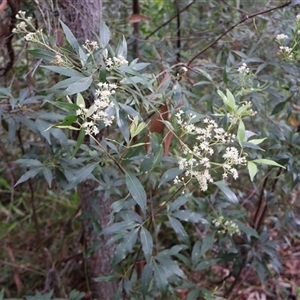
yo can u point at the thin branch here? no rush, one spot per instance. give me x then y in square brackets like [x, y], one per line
[235, 25]
[167, 22]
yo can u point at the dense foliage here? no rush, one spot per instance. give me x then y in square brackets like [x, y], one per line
[194, 145]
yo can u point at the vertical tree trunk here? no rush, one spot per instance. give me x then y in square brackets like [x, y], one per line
[83, 17]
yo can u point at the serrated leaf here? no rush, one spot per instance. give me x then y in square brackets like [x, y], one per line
[147, 242]
[179, 230]
[226, 191]
[267, 162]
[252, 169]
[81, 175]
[125, 246]
[170, 175]
[136, 190]
[70, 36]
[80, 85]
[29, 174]
[241, 133]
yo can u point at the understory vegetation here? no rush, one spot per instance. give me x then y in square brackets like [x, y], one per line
[187, 125]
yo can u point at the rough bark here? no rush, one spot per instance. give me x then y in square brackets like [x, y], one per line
[83, 17]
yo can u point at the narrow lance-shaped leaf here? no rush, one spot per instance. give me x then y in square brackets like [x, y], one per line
[147, 242]
[252, 169]
[136, 190]
[227, 192]
[241, 132]
[81, 175]
[80, 139]
[125, 246]
[70, 36]
[80, 85]
[267, 162]
[179, 229]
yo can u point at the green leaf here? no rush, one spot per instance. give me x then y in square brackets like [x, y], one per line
[102, 74]
[120, 227]
[81, 175]
[189, 216]
[125, 246]
[180, 201]
[256, 141]
[136, 190]
[228, 100]
[146, 164]
[267, 162]
[252, 169]
[241, 132]
[206, 264]
[29, 162]
[80, 101]
[107, 278]
[64, 71]
[227, 192]
[146, 278]
[76, 295]
[68, 120]
[80, 85]
[79, 141]
[70, 36]
[207, 243]
[179, 230]
[48, 176]
[196, 253]
[2, 294]
[147, 243]
[42, 54]
[193, 294]
[247, 229]
[160, 276]
[69, 107]
[104, 34]
[170, 175]
[29, 174]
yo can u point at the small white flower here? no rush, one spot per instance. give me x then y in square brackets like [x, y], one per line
[281, 36]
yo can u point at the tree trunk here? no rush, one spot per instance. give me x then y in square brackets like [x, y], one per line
[83, 17]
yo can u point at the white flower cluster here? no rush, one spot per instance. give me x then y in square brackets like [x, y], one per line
[287, 52]
[115, 62]
[281, 37]
[227, 226]
[97, 111]
[197, 161]
[243, 69]
[22, 26]
[90, 46]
